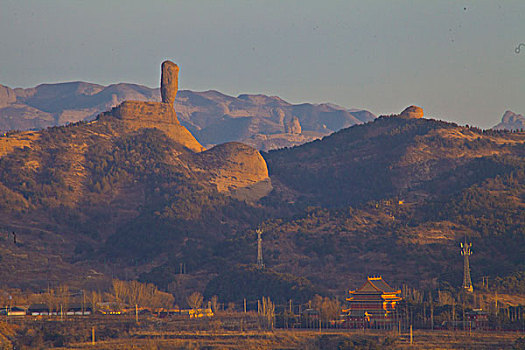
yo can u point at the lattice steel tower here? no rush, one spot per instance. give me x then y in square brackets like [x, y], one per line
[260, 263]
[466, 252]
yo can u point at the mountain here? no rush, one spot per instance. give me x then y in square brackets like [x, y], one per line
[128, 181]
[261, 121]
[511, 121]
[395, 197]
[411, 157]
[134, 194]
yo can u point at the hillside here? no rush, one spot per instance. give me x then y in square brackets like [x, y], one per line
[392, 156]
[404, 193]
[395, 197]
[68, 191]
[134, 194]
[260, 121]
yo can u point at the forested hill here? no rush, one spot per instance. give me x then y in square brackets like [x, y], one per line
[411, 158]
[394, 196]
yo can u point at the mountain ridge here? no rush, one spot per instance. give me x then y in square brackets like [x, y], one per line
[255, 119]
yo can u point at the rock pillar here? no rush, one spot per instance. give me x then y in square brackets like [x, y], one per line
[169, 83]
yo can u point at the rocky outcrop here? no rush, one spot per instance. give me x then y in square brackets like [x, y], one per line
[7, 96]
[511, 121]
[145, 111]
[412, 112]
[293, 126]
[137, 115]
[160, 115]
[234, 168]
[237, 169]
[169, 82]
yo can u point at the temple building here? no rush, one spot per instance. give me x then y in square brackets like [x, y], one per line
[373, 304]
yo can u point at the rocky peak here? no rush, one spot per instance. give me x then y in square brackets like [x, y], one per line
[412, 112]
[511, 121]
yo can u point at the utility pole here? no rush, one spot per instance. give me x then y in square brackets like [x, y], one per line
[454, 313]
[260, 263]
[431, 310]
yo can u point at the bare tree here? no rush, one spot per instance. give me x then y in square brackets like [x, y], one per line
[63, 297]
[215, 303]
[330, 309]
[51, 300]
[94, 299]
[268, 311]
[118, 290]
[195, 300]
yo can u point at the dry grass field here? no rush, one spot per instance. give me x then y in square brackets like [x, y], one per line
[307, 339]
[224, 332]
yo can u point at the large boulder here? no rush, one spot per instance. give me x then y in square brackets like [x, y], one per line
[412, 112]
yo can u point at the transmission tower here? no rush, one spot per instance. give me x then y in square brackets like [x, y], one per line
[260, 263]
[466, 252]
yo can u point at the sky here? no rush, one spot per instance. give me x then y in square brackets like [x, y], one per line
[456, 59]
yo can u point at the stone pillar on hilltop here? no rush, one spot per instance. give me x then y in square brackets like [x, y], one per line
[169, 83]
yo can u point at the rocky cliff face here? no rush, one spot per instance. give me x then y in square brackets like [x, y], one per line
[7, 96]
[136, 115]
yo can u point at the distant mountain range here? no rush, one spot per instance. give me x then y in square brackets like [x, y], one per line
[264, 122]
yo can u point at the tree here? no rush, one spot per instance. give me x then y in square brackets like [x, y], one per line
[94, 299]
[195, 300]
[63, 297]
[268, 311]
[327, 308]
[215, 303]
[330, 309]
[51, 300]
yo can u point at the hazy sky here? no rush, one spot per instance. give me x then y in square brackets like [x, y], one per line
[456, 59]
